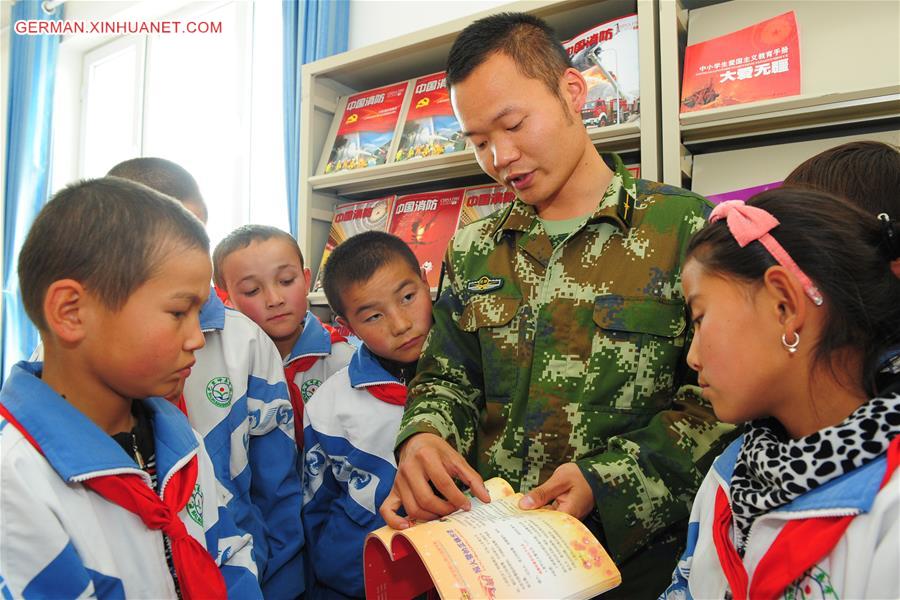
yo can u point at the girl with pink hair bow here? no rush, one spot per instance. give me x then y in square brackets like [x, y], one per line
[793, 301]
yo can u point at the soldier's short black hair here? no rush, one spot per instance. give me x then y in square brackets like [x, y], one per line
[526, 39]
[357, 259]
[865, 172]
[163, 176]
[109, 234]
[840, 248]
[242, 237]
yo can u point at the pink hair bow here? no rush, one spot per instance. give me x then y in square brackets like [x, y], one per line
[749, 223]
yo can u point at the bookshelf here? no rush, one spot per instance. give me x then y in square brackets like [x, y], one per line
[850, 89]
[424, 52]
[850, 83]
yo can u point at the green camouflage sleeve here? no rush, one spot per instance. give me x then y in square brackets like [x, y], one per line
[445, 397]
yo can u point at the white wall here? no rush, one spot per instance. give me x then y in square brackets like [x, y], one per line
[374, 21]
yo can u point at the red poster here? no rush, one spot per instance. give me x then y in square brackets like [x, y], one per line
[756, 63]
[427, 222]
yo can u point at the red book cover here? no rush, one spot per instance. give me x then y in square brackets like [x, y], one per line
[353, 218]
[755, 63]
[367, 128]
[481, 201]
[430, 128]
[607, 56]
[427, 222]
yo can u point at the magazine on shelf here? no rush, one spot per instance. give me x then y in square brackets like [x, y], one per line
[429, 127]
[427, 222]
[353, 218]
[364, 129]
[494, 550]
[481, 201]
[607, 56]
[755, 63]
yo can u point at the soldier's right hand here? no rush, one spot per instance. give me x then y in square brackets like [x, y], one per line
[427, 463]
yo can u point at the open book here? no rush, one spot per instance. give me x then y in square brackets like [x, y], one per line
[494, 550]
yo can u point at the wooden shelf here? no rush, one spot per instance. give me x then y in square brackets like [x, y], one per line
[850, 62]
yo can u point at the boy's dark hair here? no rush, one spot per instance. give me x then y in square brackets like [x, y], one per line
[865, 172]
[526, 39]
[841, 248]
[358, 258]
[163, 176]
[108, 234]
[242, 237]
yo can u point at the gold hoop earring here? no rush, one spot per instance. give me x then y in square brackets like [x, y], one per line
[792, 346]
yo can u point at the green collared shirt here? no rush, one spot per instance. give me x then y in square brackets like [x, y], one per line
[543, 355]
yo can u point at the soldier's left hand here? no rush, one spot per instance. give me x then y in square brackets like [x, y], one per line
[567, 490]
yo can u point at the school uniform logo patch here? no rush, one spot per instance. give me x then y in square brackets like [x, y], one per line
[814, 585]
[194, 506]
[219, 391]
[309, 388]
[484, 284]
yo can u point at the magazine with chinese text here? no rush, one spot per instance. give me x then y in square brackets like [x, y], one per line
[759, 62]
[494, 550]
[353, 218]
[430, 128]
[607, 56]
[426, 222]
[363, 132]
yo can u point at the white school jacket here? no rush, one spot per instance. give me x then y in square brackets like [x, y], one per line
[315, 340]
[865, 563]
[60, 540]
[349, 470]
[238, 401]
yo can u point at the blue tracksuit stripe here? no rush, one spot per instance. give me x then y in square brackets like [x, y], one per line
[262, 390]
[64, 577]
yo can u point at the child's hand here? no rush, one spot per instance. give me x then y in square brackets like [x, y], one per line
[567, 490]
[427, 460]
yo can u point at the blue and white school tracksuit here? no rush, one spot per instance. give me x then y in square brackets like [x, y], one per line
[863, 564]
[60, 540]
[349, 470]
[315, 340]
[238, 401]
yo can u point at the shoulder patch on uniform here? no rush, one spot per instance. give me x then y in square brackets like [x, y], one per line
[484, 284]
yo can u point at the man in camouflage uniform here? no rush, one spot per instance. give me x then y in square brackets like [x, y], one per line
[557, 354]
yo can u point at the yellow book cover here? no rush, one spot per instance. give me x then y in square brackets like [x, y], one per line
[494, 550]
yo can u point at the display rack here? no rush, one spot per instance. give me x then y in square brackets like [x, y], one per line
[850, 77]
[424, 52]
[850, 86]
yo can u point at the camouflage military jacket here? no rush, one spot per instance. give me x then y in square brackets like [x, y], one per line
[541, 355]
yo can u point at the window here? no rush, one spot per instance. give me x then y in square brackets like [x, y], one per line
[210, 102]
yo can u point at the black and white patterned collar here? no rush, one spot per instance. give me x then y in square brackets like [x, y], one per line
[772, 471]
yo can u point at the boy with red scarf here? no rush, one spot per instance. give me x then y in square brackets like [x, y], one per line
[106, 489]
[374, 284]
[261, 270]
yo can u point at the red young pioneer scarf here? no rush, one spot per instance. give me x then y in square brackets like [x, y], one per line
[198, 575]
[302, 365]
[392, 393]
[799, 546]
